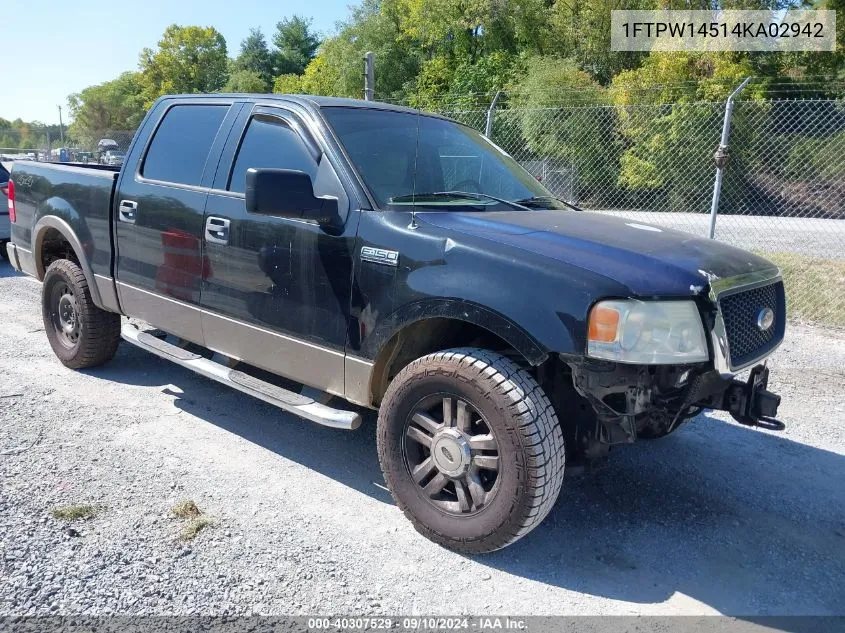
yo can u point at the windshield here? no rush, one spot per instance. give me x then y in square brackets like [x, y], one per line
[408, 160]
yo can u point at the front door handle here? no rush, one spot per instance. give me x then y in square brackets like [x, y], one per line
[217, 230]
[126, 211]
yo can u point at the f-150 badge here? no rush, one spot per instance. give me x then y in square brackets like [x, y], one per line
[379, 256]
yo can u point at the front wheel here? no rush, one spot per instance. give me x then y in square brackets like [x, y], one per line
[471, 449]
[81, 334]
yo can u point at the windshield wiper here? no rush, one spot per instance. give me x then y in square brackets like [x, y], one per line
[533, 199]
[467, 195]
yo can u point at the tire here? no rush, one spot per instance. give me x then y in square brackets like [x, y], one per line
[3, 252]
[481, 394]
[81, 334]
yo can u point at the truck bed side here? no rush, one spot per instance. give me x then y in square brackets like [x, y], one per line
[65, 203]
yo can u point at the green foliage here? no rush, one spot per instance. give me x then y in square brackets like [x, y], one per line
[663, 142]
[816, 158]
[553, 60]
[245, 81]
[296, 44]
[289, 84]
[374, 26]
[256, 58]
[683, 78]
[19, 134]
[189, 59]
[581, 31]
[574, 134]
[112, 105]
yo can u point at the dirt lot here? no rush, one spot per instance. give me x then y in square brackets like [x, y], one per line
[715, 519]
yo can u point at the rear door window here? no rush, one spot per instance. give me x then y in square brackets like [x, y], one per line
[270, 143]
[180, 147]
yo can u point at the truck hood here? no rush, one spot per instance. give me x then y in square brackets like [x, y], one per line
[648, 260]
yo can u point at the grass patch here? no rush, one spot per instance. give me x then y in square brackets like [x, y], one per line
[74, 512]
[194, 527]
[186, 510]
[814, 287]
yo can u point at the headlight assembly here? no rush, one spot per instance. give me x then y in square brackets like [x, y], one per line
[646, 332]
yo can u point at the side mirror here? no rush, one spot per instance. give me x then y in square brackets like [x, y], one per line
[287, 193]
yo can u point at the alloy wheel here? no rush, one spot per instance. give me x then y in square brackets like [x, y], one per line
[452, 454]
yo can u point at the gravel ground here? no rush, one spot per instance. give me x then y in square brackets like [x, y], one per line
[715, 519]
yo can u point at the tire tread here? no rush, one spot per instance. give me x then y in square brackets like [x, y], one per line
[101, 336]
[535, 420]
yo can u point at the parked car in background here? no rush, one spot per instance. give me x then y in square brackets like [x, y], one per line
[297, 247]
[5, 225]
[105, 144]
[114, 157]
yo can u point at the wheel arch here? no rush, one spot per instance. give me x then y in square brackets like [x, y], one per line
[431, 327]
[49, 226]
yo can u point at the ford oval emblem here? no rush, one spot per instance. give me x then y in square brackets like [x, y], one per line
[765, 319]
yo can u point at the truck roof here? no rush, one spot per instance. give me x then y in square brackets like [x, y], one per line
[314, 101]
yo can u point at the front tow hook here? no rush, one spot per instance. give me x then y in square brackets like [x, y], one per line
[751, 403]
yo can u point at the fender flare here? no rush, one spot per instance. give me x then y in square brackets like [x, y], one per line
[39, 232]
[459, 310]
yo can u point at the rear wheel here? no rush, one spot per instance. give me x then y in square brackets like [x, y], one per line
[471, 449]
[81, 334]
[4, 253]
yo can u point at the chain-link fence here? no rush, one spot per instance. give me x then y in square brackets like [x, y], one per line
[782, 196]
[783, 193]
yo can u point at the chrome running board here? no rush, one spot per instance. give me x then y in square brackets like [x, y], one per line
[303, 406]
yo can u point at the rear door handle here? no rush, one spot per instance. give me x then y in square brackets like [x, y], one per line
[217, 230]
[126, 211]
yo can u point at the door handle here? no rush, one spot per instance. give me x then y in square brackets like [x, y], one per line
[217, 230]
[126, 211]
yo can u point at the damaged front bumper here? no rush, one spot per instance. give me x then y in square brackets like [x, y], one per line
[632, 401]
[750, 402]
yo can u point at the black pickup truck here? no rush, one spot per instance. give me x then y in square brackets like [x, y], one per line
[298, 248]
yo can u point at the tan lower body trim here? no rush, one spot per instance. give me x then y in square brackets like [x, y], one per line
[359, 374]
[292, 358]
[313, 365]
[108, 293]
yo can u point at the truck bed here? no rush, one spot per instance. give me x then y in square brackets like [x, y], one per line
[79, 194]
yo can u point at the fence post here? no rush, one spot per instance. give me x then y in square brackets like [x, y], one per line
[721, 156]
[369, 76]
[488, 127]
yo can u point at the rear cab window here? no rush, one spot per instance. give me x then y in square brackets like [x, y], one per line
[180, 146]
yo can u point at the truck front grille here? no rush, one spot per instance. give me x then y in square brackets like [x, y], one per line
[741, 312]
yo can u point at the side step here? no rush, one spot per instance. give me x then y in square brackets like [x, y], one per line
[295, 403]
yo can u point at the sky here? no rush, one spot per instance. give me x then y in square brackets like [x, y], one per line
[54, 48]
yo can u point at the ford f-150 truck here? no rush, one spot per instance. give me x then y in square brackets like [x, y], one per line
[297, 248]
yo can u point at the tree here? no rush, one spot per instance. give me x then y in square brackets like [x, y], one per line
[664, 142]
[255, 57]
[375, 25]
[296, 45]
[581, 31]
[189, 59]
[19, 134]
[465, 86]
[112, 105]
[547, 105]
[245, 81]
[288, 84]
